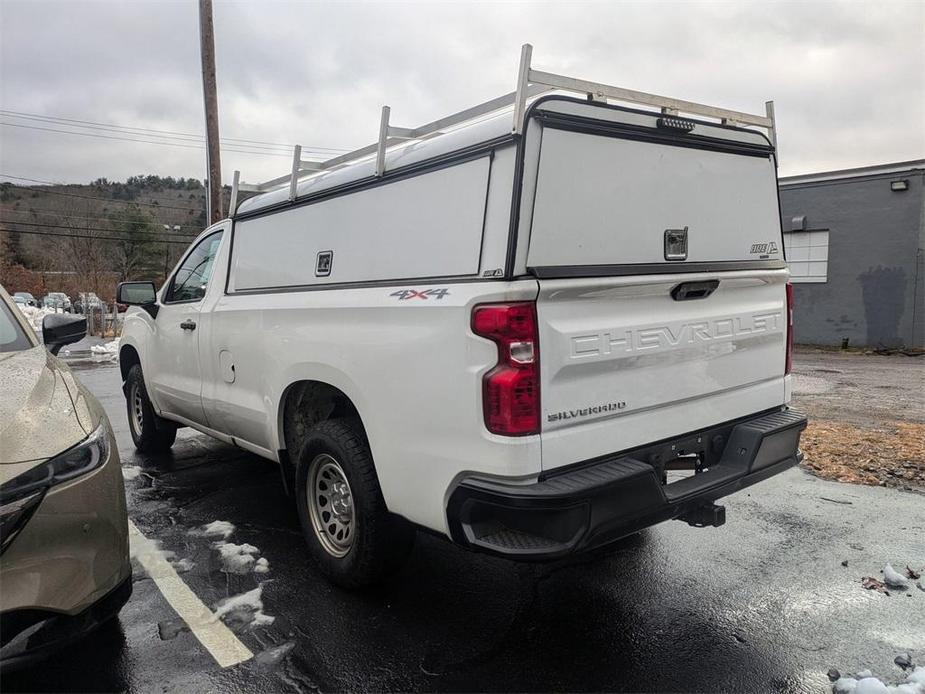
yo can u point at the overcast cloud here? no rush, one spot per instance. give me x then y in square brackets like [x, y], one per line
[848, 78]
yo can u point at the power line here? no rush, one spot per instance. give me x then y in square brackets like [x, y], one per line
[94, 238]
[189, 236]
[86, 219]
[128, 139]
[53, 119]
[93, 197]
[144, 132]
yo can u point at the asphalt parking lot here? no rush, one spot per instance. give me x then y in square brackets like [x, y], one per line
[761, 604]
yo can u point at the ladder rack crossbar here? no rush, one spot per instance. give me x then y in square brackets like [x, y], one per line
[629, 95]
[530, 83]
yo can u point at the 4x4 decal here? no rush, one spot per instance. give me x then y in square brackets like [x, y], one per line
[405, 294]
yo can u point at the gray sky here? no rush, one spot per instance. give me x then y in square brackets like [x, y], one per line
[848, 78]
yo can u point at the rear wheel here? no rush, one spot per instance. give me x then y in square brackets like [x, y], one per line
[151, 434]
[351, 535]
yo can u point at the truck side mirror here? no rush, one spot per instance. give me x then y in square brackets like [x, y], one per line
[141, 294]
[59, 329]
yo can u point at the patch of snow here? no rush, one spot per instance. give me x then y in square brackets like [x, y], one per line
[140, 547]
[183, 565]
[244, 609]
[844, 685]
[865, 683]
[907, 689]
[236, 559]
[262, 566]
[130, 472]
[871, 685]
[110, 349]
[893, 578]
[215, 529]
[917, 676]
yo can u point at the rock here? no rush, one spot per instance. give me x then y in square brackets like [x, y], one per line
[833, 675]
[845, 563]
[903, 660]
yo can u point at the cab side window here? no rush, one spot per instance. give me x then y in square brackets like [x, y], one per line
[190, 281]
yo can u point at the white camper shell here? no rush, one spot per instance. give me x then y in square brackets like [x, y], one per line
[522, 325]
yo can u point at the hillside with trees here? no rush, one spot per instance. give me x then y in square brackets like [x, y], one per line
[76, 238]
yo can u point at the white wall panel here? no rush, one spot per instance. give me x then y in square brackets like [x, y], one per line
[429, 225]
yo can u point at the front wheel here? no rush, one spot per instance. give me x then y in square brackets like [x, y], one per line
[151, 434]
[351, 535]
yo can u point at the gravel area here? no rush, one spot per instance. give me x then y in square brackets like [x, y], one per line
[867, 416]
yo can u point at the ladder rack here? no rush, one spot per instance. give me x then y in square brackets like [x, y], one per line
[530, 83]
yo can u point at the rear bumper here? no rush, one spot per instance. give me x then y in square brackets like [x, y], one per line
[602, 500]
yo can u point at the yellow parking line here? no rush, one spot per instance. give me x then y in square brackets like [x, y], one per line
[212, 633]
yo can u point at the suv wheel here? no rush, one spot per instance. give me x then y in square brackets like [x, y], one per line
[151, 434]
[351, 535]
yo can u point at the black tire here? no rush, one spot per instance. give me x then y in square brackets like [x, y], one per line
[380, 541]
[152, 434]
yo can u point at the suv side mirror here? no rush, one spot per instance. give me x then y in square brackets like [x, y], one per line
[59, 329]
[138, 294]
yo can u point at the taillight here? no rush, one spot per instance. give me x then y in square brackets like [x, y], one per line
[788, 364]
[511, 390]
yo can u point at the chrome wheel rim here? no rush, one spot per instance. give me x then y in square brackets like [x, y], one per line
[330, 505]
[136, 409]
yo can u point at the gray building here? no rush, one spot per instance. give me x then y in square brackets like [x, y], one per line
[855, 241]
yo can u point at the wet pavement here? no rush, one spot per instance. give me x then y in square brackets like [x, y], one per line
[762, 604]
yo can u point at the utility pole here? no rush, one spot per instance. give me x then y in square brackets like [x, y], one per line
[210, 99]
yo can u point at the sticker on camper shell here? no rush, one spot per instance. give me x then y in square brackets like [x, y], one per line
[405, 294]
[764, 248]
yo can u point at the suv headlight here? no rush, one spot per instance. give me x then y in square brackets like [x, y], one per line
[21, 495]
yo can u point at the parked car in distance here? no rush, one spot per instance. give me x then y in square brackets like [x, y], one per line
[518, 352]
[57, 301]
[64, 561]
[25, 298]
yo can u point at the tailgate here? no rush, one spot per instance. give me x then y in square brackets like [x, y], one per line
[624, 363]
[662, 303]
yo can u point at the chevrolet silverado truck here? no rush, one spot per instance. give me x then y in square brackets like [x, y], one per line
[534, 327]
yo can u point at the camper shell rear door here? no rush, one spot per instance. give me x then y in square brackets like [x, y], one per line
[657, 246]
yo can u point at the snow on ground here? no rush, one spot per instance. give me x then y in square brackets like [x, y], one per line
[141, 547]
[130, 472]
[108, 349]
[35, 315]
[893, 578]
[215, 529]
[183, 565]
[245, 609]
[236, 559]
[864, 682]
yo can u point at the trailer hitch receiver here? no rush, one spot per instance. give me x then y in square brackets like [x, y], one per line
[706, 516]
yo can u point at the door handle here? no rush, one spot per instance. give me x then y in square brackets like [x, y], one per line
[188, 325]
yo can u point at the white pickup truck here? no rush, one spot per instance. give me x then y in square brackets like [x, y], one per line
[534, 338]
